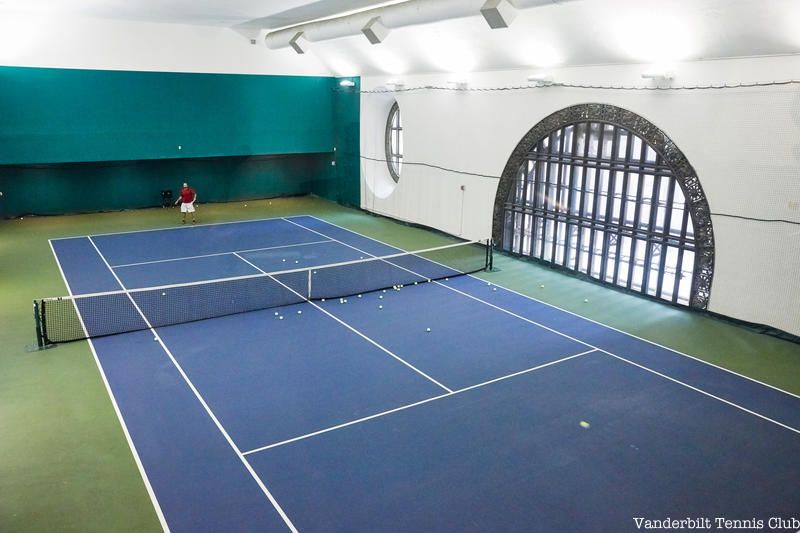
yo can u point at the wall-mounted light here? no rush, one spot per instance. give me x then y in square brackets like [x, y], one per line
[658, 75]
[541, 78]
[347, 83]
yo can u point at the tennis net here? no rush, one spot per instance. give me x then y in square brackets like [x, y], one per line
[85, 316]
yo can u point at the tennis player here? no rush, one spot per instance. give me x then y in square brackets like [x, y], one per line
[187, 198]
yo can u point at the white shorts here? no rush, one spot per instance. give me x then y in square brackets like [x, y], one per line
[187, 208]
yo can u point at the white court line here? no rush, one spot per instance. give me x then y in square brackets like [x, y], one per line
[415, 404]
[182, 227]
[134, 452]
[202, 401]
[348, 326]
[220, 253]
[564, 334]
[778, 389]
[701, 391]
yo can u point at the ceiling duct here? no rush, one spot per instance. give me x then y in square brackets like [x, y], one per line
[411, 13]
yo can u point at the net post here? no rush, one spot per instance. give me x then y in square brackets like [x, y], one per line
[308, 289]
[489, 255]
[37, 318]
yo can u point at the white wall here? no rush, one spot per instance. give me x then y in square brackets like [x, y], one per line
[87, 43]
[743, 143]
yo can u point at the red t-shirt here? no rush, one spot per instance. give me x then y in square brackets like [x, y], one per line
[187, 195]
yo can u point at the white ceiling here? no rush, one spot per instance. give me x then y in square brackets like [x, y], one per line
[583, 32]
[272, 13]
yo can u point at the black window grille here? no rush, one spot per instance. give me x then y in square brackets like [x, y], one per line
[594, 197]
[394, 142]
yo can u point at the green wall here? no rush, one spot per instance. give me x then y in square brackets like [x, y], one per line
[57, 115]
[85, 187]
[85, 140]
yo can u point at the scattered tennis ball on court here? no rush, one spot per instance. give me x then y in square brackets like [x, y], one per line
[541, 286]
[299, 312]
[280, 317]
[415, 283]
[494, 289]
[284, 260]
[586, 300]
[428, 330]
[155, 339]
[585, 425]
[380, 296]
[245, 205]
[296, 262]
[163, 294]
[380, 307]
[359, 296]
[345, 300]
[384, 290]
[277, 313]
[323, 299]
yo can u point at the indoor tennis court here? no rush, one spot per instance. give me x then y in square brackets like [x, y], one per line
[452, 265]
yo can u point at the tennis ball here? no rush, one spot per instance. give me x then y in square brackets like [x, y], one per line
[585, 425]
[541, 286]
[380, 296]
[245, 205]
[299, 312]
[428, 330]
[276, 313]
[323, 299]
[586, 300]
[280, 317]
[494, 289]
[163, 294]
[284, 260]
[380, 307]
[359, 296]
[155, 339]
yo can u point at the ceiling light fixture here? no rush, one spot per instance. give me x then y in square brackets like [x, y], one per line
[347, 83]
[375, 31]
[498, 13]
[299, 43]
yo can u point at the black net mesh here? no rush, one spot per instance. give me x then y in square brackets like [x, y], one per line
[80, 317]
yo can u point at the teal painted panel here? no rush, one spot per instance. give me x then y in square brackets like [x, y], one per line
[344, 185]
[58, 115]
[86, 187]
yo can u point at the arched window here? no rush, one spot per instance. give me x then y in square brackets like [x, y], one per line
[599, 190]
[394, 142]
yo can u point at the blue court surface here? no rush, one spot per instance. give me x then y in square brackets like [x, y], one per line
[509, 415]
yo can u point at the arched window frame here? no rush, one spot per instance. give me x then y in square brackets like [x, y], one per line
[669, 154]
[394, 142]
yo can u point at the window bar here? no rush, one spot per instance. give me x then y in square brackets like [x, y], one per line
[648, 256]
[637, 213]
[679, 267]
[596, 198]
[570, 195]
[665, 233]
[623, 208]
[557, 206]
[581, 211]
[537, 177]
[609, 205]
[546, 182]
[522, 200]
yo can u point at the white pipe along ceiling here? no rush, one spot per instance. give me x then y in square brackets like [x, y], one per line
[413, 12]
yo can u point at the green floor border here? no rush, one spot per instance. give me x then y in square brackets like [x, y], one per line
[64, 462]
